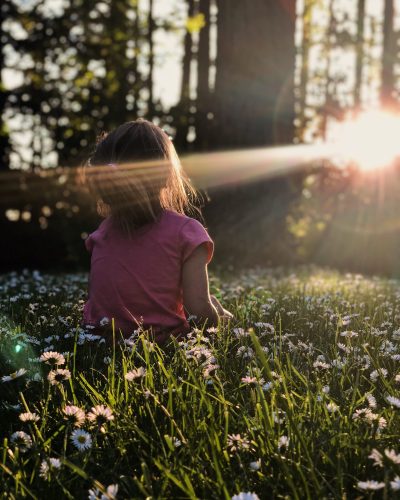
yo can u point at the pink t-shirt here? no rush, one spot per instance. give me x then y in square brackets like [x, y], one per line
[139, 279]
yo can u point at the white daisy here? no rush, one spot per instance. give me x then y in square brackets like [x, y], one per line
[22, 440]
[210, 370]
[57, 376]
[382, 423]
[29, 417]
[134, 374]
[267, 386]
[395, 484]
[212, 329]
[370, 485]
[349, 334]
[393, 456]
[13, 376]
[371, 400]
[255, 465]
[237, 442]
[176, 442]
[47, 465]
[74, 415]
[104, 321]
[81, 439]
[52, 358]
[376, 373]
[322, 365]
[377, 457]
[245, 496]
[111, 493]
[252, 380]
[283, 442]
[393, 401]
[100, 414]
[332, 407]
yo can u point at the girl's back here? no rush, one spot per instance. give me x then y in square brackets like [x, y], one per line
[138, 280]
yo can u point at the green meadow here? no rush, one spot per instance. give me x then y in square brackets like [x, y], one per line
[297, 397]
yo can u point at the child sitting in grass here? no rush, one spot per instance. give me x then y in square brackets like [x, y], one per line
[148, 259]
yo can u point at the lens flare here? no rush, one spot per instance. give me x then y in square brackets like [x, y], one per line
[371, 140]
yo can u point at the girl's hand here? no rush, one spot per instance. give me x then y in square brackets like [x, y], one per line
[222, 313]
[227, 315]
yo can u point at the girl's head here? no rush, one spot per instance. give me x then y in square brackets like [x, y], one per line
[134, 173]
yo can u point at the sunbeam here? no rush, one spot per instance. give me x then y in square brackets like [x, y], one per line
[206, 170]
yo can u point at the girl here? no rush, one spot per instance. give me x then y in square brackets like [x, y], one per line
[148, 259]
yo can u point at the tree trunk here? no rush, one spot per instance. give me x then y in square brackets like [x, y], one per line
[182, 125]
[254, 106]
[360, 52]
[389, 55]
[137, 79]
[255, 73]
[305, 49]
[150, 30]
[327, 110]
[203, 90]
[4, 136]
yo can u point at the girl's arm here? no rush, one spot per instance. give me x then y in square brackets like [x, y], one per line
[222, 312]
[196, 296]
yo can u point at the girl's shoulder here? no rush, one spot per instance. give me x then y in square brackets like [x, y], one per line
[180, 220]
[191, 233]
[97, 234]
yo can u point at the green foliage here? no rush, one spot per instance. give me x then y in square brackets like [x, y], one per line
[78, 73]
[195, 23]
[289, 400]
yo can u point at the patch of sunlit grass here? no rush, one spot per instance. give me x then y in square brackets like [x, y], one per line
[297, 397]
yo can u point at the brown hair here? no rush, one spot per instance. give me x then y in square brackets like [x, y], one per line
[134, 173]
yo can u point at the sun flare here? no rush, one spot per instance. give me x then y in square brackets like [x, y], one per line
[371, 140]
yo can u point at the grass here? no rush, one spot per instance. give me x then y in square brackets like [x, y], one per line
[289, 400]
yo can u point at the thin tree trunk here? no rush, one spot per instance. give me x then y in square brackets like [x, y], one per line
[187, 58]
[150, 30]
[136, 84]
[118, 64]
[328, 97]
[360, 52]
[203, 90]
[389, 55]
[182, 120]
[305, 48]
[4, 137]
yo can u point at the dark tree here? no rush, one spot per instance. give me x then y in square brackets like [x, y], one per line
[5, 9]
[254, 103]
[389, 55]
[360, 52]
[150, 31]
[182, 111]
[203, 105]
[304, 49]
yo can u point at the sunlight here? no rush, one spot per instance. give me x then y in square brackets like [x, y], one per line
[371, 140]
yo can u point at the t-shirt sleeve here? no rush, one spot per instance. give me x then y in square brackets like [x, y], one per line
[192, 235]
[89, 243]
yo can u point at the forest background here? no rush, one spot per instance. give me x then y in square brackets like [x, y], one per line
[246, 83]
